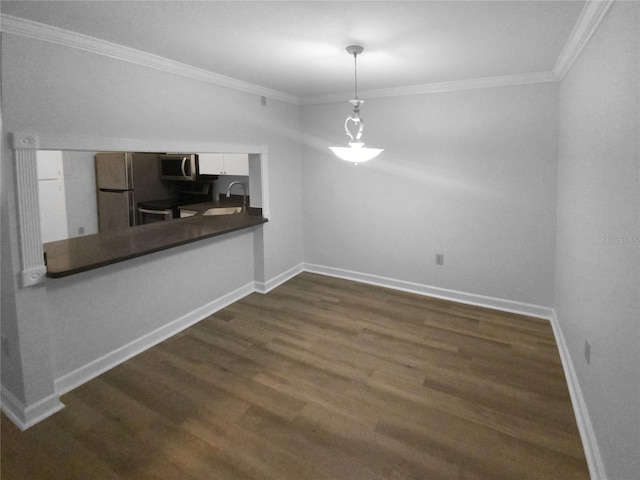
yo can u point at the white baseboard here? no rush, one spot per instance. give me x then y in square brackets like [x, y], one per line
[436, 292]
[27, 416]
[589, 442]
[100, 365]
[266, 287]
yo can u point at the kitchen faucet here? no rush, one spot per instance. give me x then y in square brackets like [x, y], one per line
[244, 193]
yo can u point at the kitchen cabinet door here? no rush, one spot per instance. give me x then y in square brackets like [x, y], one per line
[223, 163]
[236, 164]
[49, 164]
[51, 196]
[211, 163]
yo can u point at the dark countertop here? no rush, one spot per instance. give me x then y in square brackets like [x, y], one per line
[75, 255]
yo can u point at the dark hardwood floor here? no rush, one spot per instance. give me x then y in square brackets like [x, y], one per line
[321, 379]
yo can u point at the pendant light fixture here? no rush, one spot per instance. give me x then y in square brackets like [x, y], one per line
[356, 151]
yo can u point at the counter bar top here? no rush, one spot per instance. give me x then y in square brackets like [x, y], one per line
[75, 255]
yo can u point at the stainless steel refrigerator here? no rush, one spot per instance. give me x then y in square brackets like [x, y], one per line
[123, 180]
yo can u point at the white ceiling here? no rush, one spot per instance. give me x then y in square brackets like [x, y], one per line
[297, 47]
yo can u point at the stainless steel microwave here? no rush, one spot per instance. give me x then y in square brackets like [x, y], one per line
[179, 167]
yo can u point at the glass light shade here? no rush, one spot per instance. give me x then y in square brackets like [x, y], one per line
[356, 152]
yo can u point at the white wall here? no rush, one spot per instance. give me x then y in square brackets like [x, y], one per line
[11, 364]
[61, 326]
[470, 174]
[598, 245]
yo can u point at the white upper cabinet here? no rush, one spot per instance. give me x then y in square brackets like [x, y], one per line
[223, 163]
[211, 163]
[51, 196]
[236, 164]
[49, 165]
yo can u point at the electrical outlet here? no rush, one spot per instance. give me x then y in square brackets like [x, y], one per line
[80, 230]
[439, 259]
[587, 351]
[263, 101]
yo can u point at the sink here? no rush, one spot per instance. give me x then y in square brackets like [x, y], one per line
[223, 211]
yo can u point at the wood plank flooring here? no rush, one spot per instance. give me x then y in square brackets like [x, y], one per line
[321, 379]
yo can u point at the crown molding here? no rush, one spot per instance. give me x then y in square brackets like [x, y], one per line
[456, 85]
[47, 33]
[592, 14]
[590, 17]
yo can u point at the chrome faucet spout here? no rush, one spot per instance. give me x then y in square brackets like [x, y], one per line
[244, 193]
